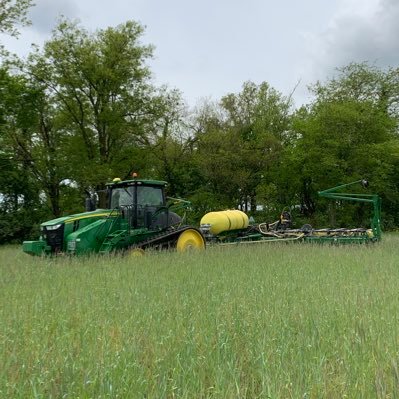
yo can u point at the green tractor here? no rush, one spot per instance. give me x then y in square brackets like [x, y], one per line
[138, 216]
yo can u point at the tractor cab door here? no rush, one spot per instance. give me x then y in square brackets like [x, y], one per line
[151, 211]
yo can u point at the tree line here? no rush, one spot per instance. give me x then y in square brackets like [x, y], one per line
[84, 109]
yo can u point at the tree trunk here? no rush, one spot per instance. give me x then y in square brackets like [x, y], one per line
[253, 203]
[332, 210]
[54, 197]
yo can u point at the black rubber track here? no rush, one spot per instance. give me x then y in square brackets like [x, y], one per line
[166, 238]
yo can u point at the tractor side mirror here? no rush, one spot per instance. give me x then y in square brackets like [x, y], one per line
[90, 204]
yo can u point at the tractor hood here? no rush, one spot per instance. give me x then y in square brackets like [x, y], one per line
[55, 232]
[78, 216]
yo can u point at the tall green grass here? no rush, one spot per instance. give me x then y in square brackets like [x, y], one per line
[259, 321]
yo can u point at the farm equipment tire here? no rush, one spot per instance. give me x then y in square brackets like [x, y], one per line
[190, 239]
[136, 252]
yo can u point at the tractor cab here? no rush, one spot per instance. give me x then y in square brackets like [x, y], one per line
[142, 203]
[139, 192]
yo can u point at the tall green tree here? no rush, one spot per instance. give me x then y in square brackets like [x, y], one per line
[24, 173]
[170, 142]
[265, 119]
[30, 128]
[362, 82]
[349, 132]
[101, 85]
[242, 145]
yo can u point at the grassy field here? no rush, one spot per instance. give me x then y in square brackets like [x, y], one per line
[264, 321]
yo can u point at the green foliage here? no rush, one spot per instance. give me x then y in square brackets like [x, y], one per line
[348, 133]
[12, 13]
[30, 129]
[21, 209]
[83, 110]
[241, 142]
[99, 84]
[362, 83]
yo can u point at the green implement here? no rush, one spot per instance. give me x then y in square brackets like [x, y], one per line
[374, 199]
[138, 216]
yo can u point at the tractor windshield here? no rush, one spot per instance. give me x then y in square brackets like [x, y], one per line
[145, 195]
[122, 196]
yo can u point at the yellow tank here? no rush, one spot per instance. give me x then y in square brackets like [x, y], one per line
[225, 221]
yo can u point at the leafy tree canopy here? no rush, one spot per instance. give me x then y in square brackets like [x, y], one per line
[13, 13]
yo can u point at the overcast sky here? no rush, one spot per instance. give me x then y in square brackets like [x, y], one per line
[209, 48]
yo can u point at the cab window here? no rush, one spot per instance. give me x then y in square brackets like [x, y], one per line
[148, 195]
[122, 196]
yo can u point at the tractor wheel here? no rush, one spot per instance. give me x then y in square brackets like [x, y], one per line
[136, 252]
[190, 239]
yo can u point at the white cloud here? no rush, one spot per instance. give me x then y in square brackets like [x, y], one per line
[45, 13]
[210, 48]
[359, 31]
